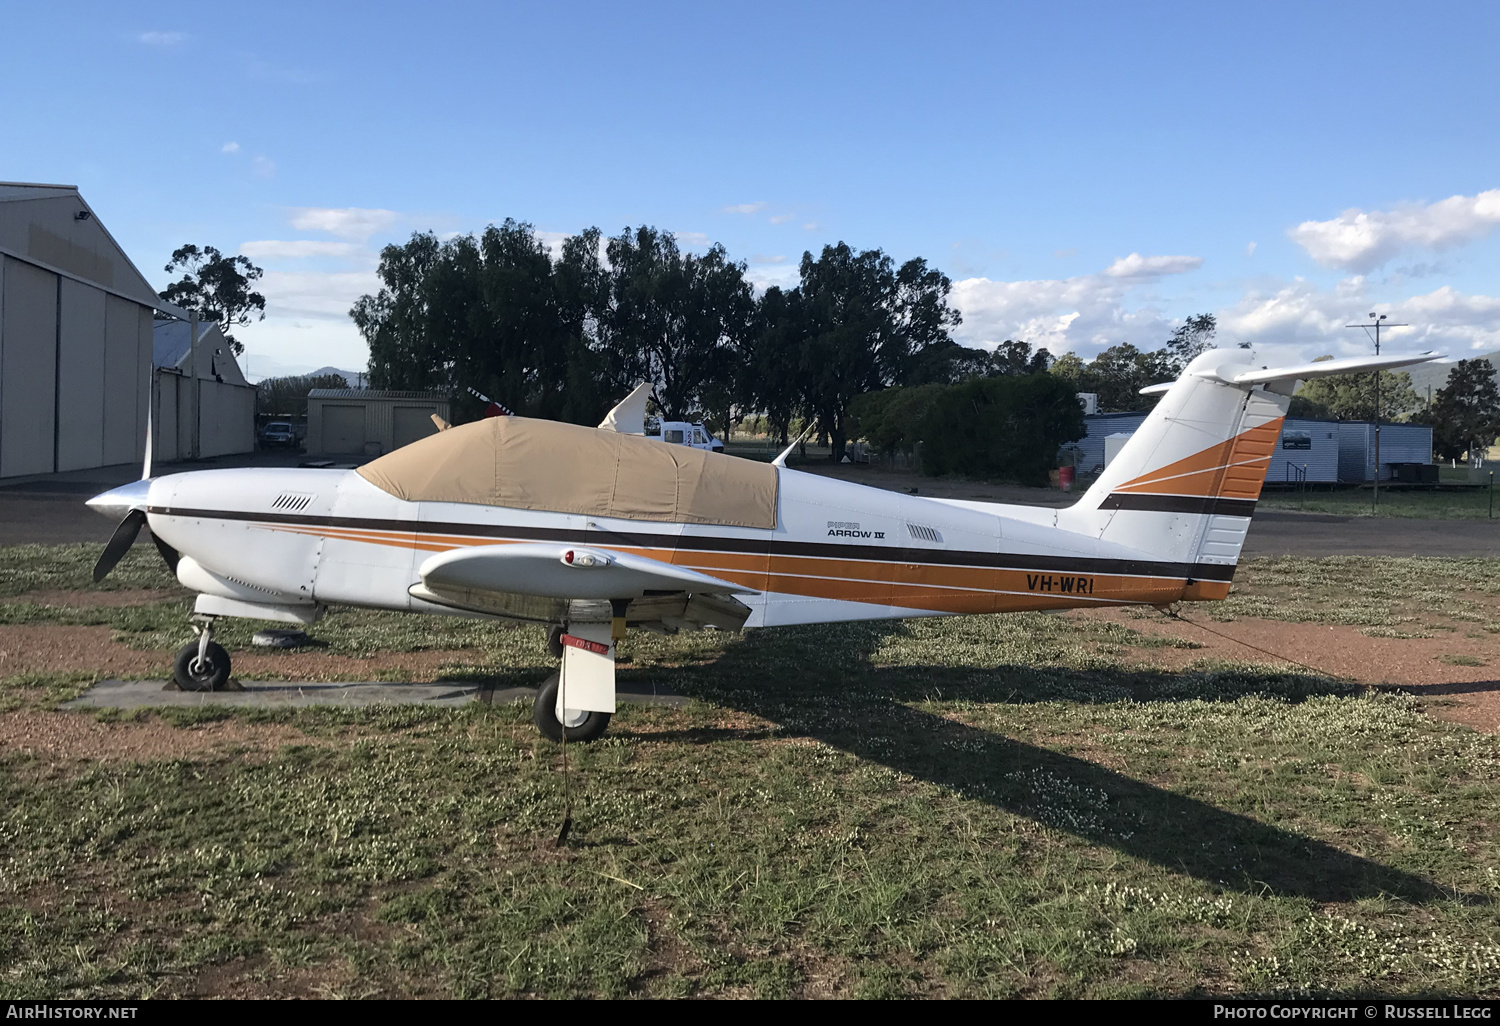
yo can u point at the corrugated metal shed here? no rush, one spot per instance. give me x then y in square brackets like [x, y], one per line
[1399, 443]
[1324, 450]
[1090, 448]
[1308, 450]
[367, 422]
[371, 393]
[75, 336]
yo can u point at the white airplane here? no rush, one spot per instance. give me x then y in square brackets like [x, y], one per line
[591, 531]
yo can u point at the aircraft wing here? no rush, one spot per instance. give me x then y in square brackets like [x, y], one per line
[1306, 371]
[560, 571]
[1325, 368]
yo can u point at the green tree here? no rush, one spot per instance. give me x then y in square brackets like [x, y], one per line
[217, 287]
[893, 419]
[1015, 357]
[1465, 413]
[1120, 372]
[771, 376]
[1352, 397]
[678, 320]
[1007, 426]
[1070, 367]
[1193, 338]
[287, 397]
[493, 313]
[868, 325]
[393, 321]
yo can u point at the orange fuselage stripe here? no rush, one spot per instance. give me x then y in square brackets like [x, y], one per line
[936, 587]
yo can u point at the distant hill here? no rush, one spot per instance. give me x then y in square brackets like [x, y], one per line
[356, 379]
[1436, 374]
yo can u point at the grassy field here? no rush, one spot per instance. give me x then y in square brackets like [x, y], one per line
[989, 806]
[1393, 502]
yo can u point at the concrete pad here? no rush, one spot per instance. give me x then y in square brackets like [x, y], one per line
[146, 694]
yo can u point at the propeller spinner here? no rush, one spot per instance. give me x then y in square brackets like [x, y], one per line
[128, 501]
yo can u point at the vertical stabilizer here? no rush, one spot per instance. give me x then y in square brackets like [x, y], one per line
[1185, 485]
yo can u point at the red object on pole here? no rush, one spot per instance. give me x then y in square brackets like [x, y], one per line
[588, 646]
[1065, 478]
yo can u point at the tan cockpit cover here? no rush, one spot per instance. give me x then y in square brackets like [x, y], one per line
[564, 468]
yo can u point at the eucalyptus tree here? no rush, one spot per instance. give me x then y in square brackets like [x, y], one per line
[867, 325]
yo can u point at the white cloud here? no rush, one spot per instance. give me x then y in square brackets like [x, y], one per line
[761, 258]
[357, 224]
[1141, 268]
[263, 167]
[1360, 240]
[1312, 319]
[161, 38]
[692, 240]
[1250, 249]
[781, 218]
[315, 295]
[1083, 314]
[763, 276]
[230, 147]
[744, 208]
[1290, 320]
[297, 249]
[554, 242]
[810, 226]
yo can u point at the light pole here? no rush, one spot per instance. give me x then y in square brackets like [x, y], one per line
[1375, 323]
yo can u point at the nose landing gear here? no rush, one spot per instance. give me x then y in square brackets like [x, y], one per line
[202, 665]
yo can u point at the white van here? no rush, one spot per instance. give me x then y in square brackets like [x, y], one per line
[680, 432]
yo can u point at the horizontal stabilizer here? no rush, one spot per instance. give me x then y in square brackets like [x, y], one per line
[1325, 368]
[561, 571]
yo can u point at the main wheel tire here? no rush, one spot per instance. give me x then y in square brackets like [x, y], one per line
[544, 714]
[211, 674]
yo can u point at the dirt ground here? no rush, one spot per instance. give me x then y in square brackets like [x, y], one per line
[1461, 694]
[59, 648]
[1464, 694]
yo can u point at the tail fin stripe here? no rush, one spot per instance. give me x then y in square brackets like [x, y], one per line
[1253, 467]
[1259, 442]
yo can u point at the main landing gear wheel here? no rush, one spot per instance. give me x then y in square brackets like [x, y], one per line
[210, 672]
[581, 726]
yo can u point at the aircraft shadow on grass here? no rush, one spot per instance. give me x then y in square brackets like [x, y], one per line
[863, 710]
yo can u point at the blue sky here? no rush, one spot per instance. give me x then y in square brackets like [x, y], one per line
[1086, 173]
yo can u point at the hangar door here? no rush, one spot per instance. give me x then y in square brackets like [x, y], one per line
[343, 428]
[412, 422]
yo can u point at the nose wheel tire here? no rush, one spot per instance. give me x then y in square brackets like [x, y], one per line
[582, 726]
[210, 673]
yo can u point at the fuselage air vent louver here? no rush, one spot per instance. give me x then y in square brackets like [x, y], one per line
[293, 502]
[247, 584]
[925, 533]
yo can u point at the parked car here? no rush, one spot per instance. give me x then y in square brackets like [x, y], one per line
[278, 434]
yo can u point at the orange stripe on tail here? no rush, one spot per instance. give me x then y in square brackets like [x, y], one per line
[1234, 469]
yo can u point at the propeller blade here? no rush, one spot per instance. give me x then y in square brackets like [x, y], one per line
[119, 543]
[168, 553]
